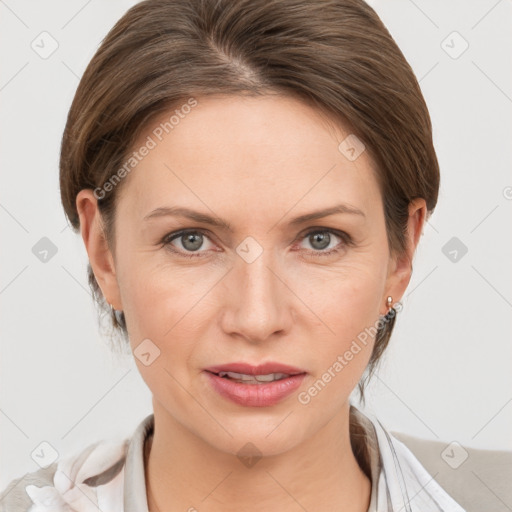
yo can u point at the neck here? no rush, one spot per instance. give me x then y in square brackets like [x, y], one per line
[183, 473]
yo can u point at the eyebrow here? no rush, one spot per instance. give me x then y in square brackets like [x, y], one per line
[176, 211]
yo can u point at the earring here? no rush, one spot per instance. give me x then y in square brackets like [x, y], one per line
[397, 306]
[389, 301]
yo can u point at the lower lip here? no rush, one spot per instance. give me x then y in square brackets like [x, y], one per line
[255, 395]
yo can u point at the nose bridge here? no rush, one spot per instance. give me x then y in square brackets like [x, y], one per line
[258, 276]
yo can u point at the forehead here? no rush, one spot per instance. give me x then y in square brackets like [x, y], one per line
[263, 152]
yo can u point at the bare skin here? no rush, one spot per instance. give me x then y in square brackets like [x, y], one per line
[256, 163]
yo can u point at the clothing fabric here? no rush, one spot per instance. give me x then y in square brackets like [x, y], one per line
[109, 476]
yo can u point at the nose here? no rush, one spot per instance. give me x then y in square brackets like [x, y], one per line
[259, 305]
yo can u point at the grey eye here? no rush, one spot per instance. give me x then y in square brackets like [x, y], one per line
[191, 241]
[320, 240]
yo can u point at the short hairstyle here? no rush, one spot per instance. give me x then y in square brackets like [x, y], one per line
[336, 55]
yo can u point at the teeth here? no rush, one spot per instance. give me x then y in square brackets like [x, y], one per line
[253, 379]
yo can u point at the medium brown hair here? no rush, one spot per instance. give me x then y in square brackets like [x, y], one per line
[337, 55]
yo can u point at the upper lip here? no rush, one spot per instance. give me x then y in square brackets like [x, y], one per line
[260, 369]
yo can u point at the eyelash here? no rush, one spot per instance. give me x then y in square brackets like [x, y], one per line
[346, 241]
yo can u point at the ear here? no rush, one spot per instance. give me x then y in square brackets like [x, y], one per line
[100, 256]
[400, 266]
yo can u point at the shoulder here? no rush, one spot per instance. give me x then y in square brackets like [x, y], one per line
[66, 483]
[478, 479]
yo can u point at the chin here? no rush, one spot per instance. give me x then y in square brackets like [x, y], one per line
[257, 436]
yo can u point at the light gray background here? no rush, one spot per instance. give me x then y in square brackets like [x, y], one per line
[447, 373]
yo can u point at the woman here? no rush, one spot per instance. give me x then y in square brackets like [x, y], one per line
[250, 180]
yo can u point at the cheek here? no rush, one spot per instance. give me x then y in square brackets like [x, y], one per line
[358, 303]
[149, 287]
[159, 307]
[344, 298]
[346, 302]
[343, 349]
[162, 301]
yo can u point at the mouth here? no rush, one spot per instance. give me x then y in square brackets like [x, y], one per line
[257, 386]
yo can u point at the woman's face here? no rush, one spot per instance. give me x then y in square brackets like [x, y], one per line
[304, 293]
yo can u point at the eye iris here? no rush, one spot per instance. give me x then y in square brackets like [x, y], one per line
[322, 238]
[190, 238]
